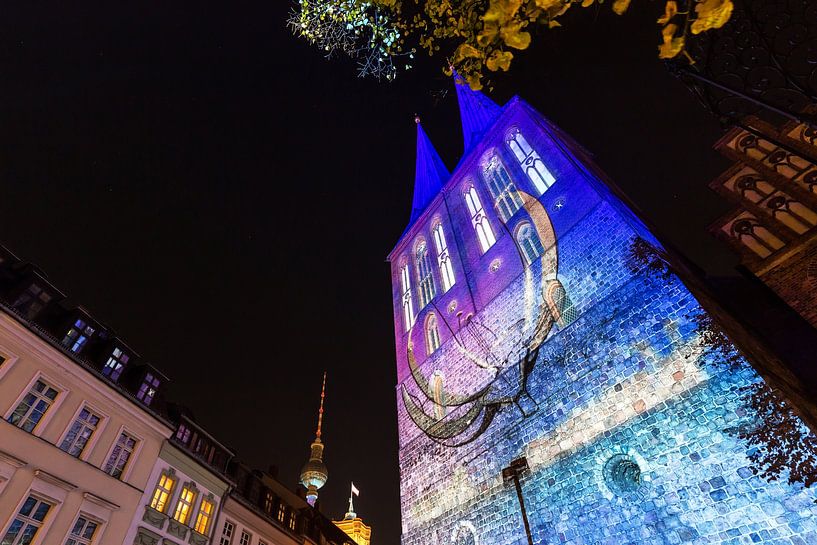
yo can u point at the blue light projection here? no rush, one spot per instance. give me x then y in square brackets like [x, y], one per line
[593, 373]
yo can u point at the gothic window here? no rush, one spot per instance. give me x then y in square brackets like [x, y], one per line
[479, 220]
[432, 334]
[115, 364]
[530, 162]
[162, 493]
[425, 282]
[791, 213]
[443, 258]
[528, 242]
[438, 393]
[752, 187]
[33, 406]
[28, 521]
[408, 305]
[755, 236]
[506, 198]
[80, 432]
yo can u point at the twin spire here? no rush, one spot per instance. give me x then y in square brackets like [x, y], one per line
[477, 113]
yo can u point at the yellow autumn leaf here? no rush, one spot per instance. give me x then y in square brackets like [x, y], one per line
[711, 14]
[474, 82]
[587, 3]
[488, 34]
[670, 11]
[554, 24]
[499, 60]
[465, 51]
[672, 45]
[549, 4]
[620, 6]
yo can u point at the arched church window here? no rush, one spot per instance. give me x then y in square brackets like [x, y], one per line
[443, 258]
[791, 213]
[528, 242]
[432, 334]
[405, 287]
[438, 394]
[424, 275]
[506, 198]
[756, 237]
[531, 162]
[479, 220]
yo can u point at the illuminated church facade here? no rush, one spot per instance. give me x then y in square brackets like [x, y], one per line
[523, 340]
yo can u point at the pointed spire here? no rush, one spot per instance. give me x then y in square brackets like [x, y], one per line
[477, 112]
[320, 409]
[429, 174]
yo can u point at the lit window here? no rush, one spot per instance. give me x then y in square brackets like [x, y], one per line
[80, 432]
[77, 336]
[426, 280]
[269, 502]
[204, 516]
[528, 242]
[432, 334]
[27, 523]
[120, 455]
[530, 162]
[33, 406]
[115, 364]
[245, 538]
[408, 305]
[83, 531]
[292, 521]
[479, 220]
[184, 507]
[282, 511]
[227, 533]
[443, 258]
[147, 391]
[162, 493]
[183, 434]
[32, 301]
[506, 198]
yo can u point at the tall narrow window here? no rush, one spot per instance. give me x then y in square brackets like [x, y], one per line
[443, 258]
[408, 305]
[292, 521]
[120, 455]
[432, 334]
[528, 243]
[204, 516]
[115, 364]
[80, 432]
[506, 198]
[282, 511]
[482, 228]
[27, 523]
[425, 281]
[77, 336]
[162, 493]
[245, 538]
[227, 533]
[530, 162]
[148, 388]
[33, 406]
[184, 507]
[83, 531]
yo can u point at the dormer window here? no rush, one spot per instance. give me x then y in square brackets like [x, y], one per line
[147, 391]
[77, 336]
[32, 301]
[531, 163]
[183, 434]
[506, 198]
[115, 364]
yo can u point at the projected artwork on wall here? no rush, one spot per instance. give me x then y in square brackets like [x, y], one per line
[521, 333]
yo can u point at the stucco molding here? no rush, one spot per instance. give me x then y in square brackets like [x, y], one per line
[11, 460]
[53, 479]
[154, 518]
[176, 529]
[102, 502]
[197, 538]
[146, 537]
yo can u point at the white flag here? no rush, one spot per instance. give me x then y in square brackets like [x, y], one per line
[355, 491]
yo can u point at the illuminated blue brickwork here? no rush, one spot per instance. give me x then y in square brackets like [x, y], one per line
[592, 373]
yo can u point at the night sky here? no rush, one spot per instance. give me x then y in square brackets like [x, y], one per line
[224, 199]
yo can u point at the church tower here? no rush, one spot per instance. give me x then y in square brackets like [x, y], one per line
[314, 473]
[547, 392]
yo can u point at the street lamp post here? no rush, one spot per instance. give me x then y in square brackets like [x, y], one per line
[512, 473]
